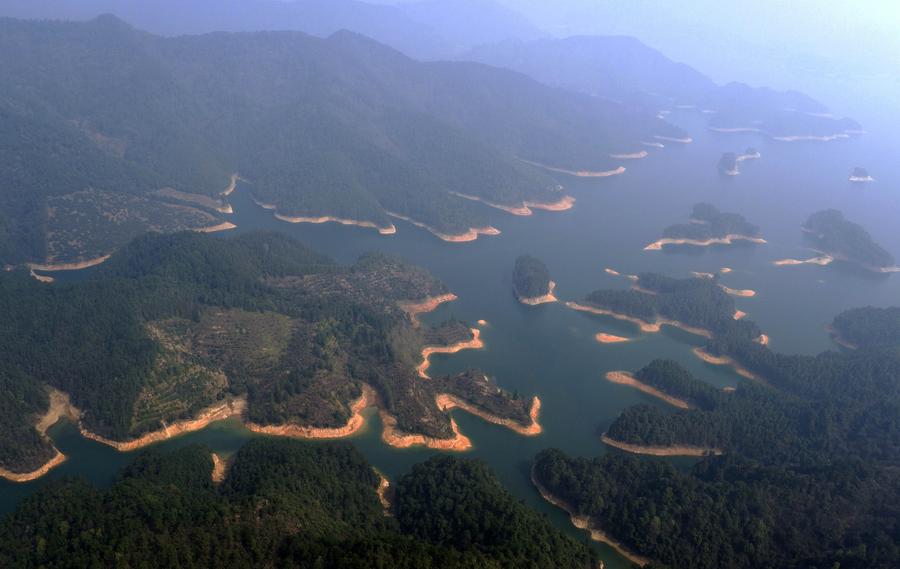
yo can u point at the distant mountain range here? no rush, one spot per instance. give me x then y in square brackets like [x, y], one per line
[626, 70]
[341, 127]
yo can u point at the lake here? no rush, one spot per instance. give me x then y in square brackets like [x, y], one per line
[550, 350]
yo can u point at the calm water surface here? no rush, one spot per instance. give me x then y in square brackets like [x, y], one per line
[550, 350]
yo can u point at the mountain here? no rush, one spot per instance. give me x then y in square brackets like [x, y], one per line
[105, 116]
[625, 70]
[428, 30]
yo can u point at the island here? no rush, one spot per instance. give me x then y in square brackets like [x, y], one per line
[841, 240]
[861, 176]
[175, 332]
[531, 282]
[728, 164]
[708, 226]
[246, 508]
[765, 459]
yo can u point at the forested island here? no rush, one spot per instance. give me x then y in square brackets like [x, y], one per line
[728, 164]
[155, 141]
[799, 471]
[174, 332]
[531, 281]
[847, 242]
[708, 226]
[861, 175]
[285, 503]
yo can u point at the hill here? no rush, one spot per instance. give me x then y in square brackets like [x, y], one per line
[104, 116]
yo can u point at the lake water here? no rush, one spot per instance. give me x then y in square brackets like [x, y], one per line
[550, 350]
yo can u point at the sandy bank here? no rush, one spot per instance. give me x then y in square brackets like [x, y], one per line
[734, 129]
[580, 173]
[584, 523]
[646, 327]
[41, 278]
[231, 185]
[840, 340]
[218, 471]
[471, 235]
[389, 230]
[429, 304]
[674, 450]
[631, 155]
[612, 272]
[699, 275]
[482, 323]
[474, 344]
[218, 412]
[654, 144]
[58, 459]
[686, 140]
[76, 266]
[537, 300]
[384, 485]
[525, 209]
[762, 340]
[822, 261]
[224, 226]
[743, 293]
[60, 407]
[625, 378]
[727, 240]
[739, 315]
[446, 402]
[605, 338]
[861, 179]
[745, 157]
[727, 361]
[354, 424]
[398, 439]
[812, 137]
[725, 270]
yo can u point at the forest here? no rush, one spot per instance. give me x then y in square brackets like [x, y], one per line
[707, 222]
[846, 241]
[172, 324]
[284, 503]
[531, 279]
[393, 135]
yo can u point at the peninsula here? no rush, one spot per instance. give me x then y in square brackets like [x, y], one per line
[708, 227]
[844, 241]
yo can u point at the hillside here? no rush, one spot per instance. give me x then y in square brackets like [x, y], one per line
[175, 328]
[341, 127]
[624, 69]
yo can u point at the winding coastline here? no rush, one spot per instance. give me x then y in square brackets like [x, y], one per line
[584, 523]
[646, 327]
[727, 240]
[563, 204]
[446, 402]
[674, 450]
[474, 344]
[429, 304]
[627, 379]
[74, 266]
[392, 436]
[471, 235]
[580, 173]
[354, 424]
[728, 361]
[538, 300]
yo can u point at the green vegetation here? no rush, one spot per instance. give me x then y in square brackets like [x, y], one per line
[710, 223]
[283, 503]
[728, 163]
[809, 476]
[99, 117]
[172, 324]
[846, 241]
[531, 279]
[869, 328]
[700, 303]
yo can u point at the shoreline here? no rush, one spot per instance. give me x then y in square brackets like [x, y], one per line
[629, 380]
[471, 235]
[213, 414]
[728, 361]
[674, 450]
[224, 226]
[354, 424]
[474, 344]
[384, 486]
[218, 471]
[390, 230]
[838, 339]
[686, 140]
[74, 266]
[579, 173]
[605, 338]
[861, 179]
[786, 137]
[630, 155]
[446, 402]
[646, 327]
[822, 261]
[727, 240]
[393, 437]
[743, 293]
[538, 300]
[429, 304]
[584, 523]
[20, 477]
[563, 204]
[231, 186]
